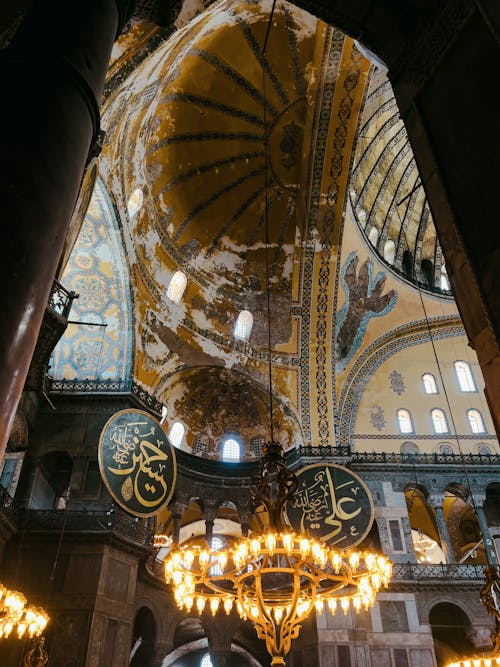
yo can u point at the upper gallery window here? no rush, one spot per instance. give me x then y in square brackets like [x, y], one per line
[439, 421]
[389, 251]
[405, 422]
[476, 421]
[231, 450]
[373, 236]
[430, 386]
[176, 434]
[135, 202]
[243, 326]
[216, 544]
[176, 287]
[444, 283]
[206, 661]
[464, 376]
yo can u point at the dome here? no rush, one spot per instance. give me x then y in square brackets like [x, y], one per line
[214, 404]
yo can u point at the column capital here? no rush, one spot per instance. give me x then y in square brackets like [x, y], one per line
[436, 500]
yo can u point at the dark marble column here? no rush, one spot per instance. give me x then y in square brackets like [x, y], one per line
[489, 547]
[52, 76]
[444, 536]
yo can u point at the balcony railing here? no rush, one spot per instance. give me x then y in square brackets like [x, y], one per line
[61, 299]
[441, 572]
[396, 458]
[71, 521]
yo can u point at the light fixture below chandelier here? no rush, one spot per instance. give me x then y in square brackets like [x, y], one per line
[490, 597]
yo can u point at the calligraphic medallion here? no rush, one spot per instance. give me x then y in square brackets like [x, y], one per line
[332, 504]
[137, 462]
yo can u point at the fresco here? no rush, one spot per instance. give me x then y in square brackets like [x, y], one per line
[364, 300]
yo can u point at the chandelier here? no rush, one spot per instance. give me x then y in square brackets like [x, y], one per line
[277, 578]
[16, 614]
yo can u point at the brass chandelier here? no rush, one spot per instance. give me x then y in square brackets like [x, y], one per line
[16, 615]
[275, 579]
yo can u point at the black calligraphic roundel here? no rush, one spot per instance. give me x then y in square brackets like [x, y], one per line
[137, 462]
[332, 504]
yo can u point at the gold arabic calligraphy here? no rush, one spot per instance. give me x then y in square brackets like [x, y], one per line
[144, 461]
[321, 498]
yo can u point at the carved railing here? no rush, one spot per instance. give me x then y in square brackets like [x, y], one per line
[397, 458]
[454, 459]
[61, 299]
[111, 521]
[88, 386]
[441, 572]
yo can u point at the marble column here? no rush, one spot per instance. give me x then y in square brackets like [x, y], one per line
[489, 547]
[437, 503]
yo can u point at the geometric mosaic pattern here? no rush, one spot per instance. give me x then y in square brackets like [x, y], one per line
[97, 271]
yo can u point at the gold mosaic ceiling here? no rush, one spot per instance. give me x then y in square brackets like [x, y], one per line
[204, 128]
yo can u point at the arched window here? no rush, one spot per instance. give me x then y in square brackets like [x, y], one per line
[206, 661]
[464, 376]
[444, 283]
[362, 216]
[135, 202]
[404, 420]
[373, 236]
[430, 386]
[409, 448]
[243, 326]
[176, 434]
[231, 450]
[446, 449]
[216, 544]
[476, 421]
[439, 421]
[176, 286]
[484, 450]
[389, 251]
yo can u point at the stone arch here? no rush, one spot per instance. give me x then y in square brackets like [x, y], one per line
[463, 527]
[451, 628]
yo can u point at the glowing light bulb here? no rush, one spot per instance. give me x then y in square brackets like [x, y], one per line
[370, 561]
[204, 557]
[200, 603]
[255, 547]
[319, 606]
[336, 562]
[271, 542]
[332, 605]
[214, 605]
[288, 542]
[344, 603]
[304, 547]
[228, 605]
[222, 560]
[188, 559]
[354, 560]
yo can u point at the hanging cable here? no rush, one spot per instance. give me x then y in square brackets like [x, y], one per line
[266, 222]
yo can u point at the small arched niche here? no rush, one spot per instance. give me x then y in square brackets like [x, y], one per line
[143, 639]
